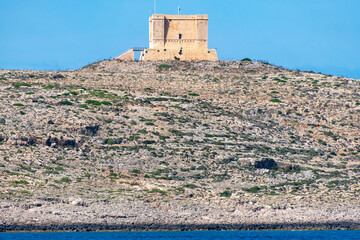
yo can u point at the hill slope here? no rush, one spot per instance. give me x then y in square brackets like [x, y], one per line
[179, 144]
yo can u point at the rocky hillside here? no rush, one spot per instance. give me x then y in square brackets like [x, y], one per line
[178, 144]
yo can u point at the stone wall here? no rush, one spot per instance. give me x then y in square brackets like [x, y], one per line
[176, 54]
[183, 37]
[128, 55]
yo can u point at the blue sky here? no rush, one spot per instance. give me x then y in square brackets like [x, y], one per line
[318, 35]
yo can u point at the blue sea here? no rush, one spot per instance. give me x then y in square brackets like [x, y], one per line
[201, 235]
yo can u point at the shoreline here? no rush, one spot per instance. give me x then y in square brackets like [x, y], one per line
[180, 227]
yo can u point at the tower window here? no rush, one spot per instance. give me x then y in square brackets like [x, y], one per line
[180, 36]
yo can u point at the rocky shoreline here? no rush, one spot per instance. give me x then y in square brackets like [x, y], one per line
[166, 227]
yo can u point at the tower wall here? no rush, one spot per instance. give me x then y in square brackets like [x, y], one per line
[182, 37]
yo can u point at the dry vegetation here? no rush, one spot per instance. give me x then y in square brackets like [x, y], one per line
[178, 143]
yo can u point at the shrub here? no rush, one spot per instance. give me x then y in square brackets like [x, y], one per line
[279, 80]
[93, 102]
[158, 172]
[156, 190]
[106, 103]
[191, 186]
[176, 132]
[225, 193]
[58, 76]
[19, 84]
[108, 120]
[132, 138]
[21, 182]
[246, 60]
[255, 189]
[92, 129]
[111, 141]
[194, 94]
[275, 100]
[18, 105]
[164, 66]
[266, 163]
[292, 168]
[66, 102]
[321, 142]
[330, 134]
[163, 137]
[66, 180]
[142, 131]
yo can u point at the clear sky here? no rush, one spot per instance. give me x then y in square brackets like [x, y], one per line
[318, 35]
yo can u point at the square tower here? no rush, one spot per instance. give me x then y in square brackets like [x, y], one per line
[180, 37]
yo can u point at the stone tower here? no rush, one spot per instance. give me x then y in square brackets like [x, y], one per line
[178, 37]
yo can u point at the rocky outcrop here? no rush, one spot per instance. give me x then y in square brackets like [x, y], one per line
[207, 145]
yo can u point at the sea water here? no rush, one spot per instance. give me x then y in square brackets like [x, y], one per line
[200, 235]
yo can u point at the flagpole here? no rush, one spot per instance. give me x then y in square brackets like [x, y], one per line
[154, 6]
